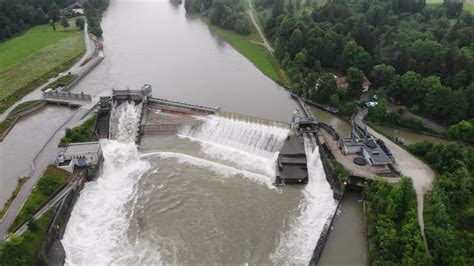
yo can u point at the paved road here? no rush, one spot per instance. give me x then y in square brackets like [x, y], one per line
[408, 165]
[75, 69]
[44, 158]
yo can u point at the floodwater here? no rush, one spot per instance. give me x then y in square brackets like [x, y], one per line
[155, 42]
[344, 128]
[203, 196]
[410, 137]
[24, 141]
[341, 126]
[347, 241]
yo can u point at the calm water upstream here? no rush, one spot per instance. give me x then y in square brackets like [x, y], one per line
[155, 42]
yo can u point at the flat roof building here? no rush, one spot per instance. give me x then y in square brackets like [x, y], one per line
[361, 143]
[86, 154]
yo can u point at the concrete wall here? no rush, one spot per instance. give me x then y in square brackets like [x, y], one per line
[27, 111]
[56, 231]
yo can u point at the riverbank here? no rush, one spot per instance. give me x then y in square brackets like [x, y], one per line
[250, 46]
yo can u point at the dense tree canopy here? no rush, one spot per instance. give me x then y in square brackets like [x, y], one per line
[394, 233]
[17, 16]
[422, 57]
[449, 212]
[224, 13]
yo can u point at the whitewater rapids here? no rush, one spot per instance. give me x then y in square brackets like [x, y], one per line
[202, 196]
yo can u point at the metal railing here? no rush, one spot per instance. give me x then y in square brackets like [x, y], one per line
[67, 96]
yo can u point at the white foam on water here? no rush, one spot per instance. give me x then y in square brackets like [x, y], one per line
[296, 246]
[257, 139]
[246, 160]
[220, 169]
[124, 122]
[97, 230]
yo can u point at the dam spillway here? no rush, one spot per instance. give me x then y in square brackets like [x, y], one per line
[200, 193]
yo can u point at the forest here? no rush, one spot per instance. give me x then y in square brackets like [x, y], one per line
[394, 233]
[421, 57]
[449, 206]
[17, 16]
[228, 14]
[94, 10]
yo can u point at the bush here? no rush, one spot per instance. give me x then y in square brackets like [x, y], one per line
[448, 207]
[52, 180]
[462, 131]
[226, 14]
[395, 237]
[82, 133]
[349, 108]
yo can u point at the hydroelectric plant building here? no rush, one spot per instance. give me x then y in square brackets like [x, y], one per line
[86, 155]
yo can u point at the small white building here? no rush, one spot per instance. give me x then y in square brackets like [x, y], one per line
[87, 155]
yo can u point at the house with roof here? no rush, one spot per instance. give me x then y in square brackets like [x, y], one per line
[341, 81]
[75, 9]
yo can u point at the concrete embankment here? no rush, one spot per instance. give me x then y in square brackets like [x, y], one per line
[51, 248]
[336, 186]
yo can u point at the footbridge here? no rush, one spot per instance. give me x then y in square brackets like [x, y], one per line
[66, 98]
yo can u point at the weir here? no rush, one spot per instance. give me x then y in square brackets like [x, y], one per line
[127, 115]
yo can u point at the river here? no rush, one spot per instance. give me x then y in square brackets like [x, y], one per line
[24, 141]
[204, 196]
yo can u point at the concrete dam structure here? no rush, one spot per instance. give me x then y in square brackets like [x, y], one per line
[164, 117]
[276, 154]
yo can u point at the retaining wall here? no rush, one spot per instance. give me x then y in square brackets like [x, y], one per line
[336, 186]
[56, 229]
[81, 75]
[26, 111]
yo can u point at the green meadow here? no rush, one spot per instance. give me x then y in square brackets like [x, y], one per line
[40, 53]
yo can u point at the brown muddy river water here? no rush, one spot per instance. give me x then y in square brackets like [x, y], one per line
[204, 195]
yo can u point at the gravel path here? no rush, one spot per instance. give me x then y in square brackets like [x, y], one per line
[422, 175]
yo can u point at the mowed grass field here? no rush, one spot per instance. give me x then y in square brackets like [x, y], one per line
[31, 58]
[468, 4]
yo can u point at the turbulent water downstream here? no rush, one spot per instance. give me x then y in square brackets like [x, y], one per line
[204, 195]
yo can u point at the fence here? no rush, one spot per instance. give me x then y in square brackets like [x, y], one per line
[184, 105]
[67, 96]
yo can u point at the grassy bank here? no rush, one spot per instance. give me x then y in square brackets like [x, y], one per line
[466, 5]
[51, 181]
[29, 60]
[252, 48]
[64, 80]
[21, 182]
[4, 125]
[22, 250]
[82, 133]
[24, 105]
